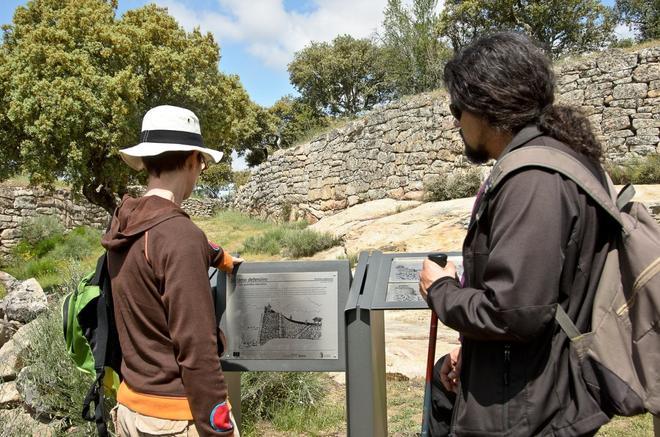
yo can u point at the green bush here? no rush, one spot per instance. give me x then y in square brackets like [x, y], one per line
[636, 171]
[270, 242]
[305, 242]
[78, 244]
[60, 386]
[42, 266]
[38, 228]
[454, 186]
[266, 394]
[290, 240]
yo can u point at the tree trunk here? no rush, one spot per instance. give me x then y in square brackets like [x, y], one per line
[99, 195]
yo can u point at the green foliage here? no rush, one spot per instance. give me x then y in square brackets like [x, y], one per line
[346, 76]
[454, 186]
[60, 386]
[35, 230]
[214, 179]
[291, 240]
[50, 259]
[643, 15]
[75, 82]
[301, 419]
[414, 53]
[264, 395]
[240, 177]
[560, 26]
[296, 118]
[636, 171]
[305, 242]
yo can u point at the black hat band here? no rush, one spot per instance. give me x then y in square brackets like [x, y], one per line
[171, 137]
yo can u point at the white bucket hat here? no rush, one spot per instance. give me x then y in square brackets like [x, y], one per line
[168, 129]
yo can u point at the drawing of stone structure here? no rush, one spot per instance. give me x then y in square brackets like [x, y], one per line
[277, 325]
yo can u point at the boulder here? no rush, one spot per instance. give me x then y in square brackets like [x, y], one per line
[32, 397]
[18, 422]
[10, 352]
[25, 300]
[7, 330]
[9, 396]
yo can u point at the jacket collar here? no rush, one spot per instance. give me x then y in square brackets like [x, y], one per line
[525, 135]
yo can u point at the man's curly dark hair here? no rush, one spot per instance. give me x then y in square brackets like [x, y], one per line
[508, 80]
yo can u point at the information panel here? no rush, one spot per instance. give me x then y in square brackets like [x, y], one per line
[284, 316]
[289, 315]
[397, 284]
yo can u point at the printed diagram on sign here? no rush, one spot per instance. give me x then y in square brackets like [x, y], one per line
[403, 283]
[283, 316]
[275, 324]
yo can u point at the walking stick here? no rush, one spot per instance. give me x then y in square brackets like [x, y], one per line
[441, 260]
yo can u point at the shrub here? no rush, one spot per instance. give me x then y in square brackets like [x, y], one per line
[265, 394]
[636, 171]
[42, 227]
[78, 244]
[42, 266]
[290, 240]
[454, 185]
[305, 242]
[270, 242]
[61, 387]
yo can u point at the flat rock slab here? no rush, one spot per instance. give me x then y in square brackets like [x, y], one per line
[9, 396]
[407, 341]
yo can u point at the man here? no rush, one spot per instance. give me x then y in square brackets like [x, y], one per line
[158, 261]
[537, 242]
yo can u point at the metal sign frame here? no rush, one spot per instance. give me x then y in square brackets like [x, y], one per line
[380, 287]
[343, 270]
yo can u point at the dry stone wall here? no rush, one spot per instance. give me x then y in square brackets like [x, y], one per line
[395, 149]
[19, 203]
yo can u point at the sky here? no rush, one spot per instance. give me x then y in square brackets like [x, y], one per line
[258, 38]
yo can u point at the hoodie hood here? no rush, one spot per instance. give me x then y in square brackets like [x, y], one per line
[134, 216]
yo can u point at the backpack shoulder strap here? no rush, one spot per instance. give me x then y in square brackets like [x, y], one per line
[561, 162]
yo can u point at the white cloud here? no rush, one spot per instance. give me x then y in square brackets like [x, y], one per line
[273, 34]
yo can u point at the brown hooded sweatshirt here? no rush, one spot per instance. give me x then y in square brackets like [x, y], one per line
[158, 261]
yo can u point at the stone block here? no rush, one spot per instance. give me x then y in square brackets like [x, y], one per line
[640, 140]
[645, 123]
[615, 62]
[648, 132]
[626, 103]
[616, 124]
[646, 72]
[621, 134]
[630, 91]
[575, 98]
[9, 396]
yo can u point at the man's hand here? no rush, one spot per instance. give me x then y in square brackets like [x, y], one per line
[431, 272]
[451, 370]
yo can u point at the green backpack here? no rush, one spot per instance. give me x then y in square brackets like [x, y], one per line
[91, 338]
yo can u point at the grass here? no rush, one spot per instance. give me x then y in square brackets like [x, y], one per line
[260, 240]
[47, 254]
[644, 170]
[3, 291]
